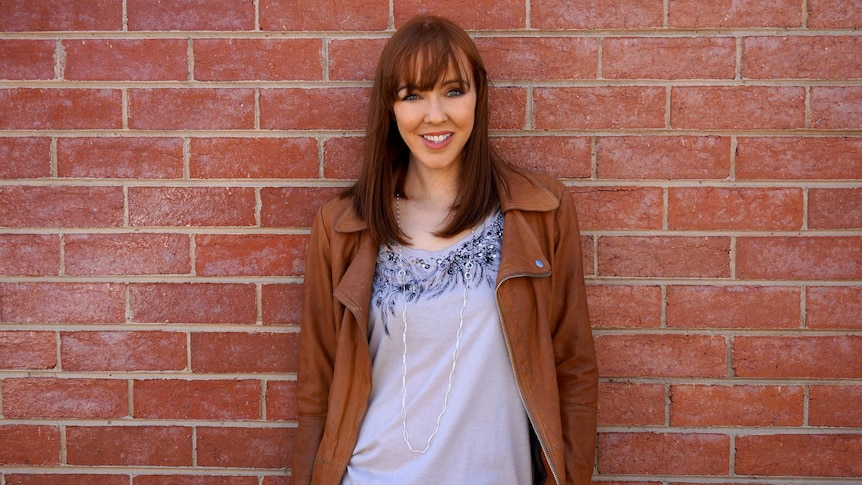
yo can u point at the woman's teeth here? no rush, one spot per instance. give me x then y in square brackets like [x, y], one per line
[436, 138]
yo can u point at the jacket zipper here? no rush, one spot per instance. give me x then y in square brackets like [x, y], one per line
[517, 382]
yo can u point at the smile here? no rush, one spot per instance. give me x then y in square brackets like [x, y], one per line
[437, 138]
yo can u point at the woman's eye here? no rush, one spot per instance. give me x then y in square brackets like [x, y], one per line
[409, 97]
[454, 93]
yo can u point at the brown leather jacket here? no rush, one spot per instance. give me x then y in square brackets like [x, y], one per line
[542, 306]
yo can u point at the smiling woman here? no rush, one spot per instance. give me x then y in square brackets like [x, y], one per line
[445, 333]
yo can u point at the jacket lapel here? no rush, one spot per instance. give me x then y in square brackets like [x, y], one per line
[522, 253]
[354, 289]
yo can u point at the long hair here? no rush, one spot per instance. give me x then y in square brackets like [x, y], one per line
[420, 54]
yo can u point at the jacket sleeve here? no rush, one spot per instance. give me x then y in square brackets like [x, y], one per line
[577, 372]
[317, 344]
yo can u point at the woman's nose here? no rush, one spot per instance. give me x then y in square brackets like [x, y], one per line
[435, 111]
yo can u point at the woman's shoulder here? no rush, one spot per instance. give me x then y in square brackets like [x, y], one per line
[339, 213]
[533, 185]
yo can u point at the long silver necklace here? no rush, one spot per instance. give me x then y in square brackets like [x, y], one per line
[402, 273]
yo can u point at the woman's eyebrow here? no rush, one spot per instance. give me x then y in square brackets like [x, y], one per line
[458, 82]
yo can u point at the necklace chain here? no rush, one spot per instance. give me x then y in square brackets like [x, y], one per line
[402, 273]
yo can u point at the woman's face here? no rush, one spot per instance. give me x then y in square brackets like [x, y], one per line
[436, 124]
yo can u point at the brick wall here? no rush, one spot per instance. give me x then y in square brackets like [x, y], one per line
[160, 162]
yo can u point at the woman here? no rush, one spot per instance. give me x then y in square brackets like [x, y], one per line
[445, 335]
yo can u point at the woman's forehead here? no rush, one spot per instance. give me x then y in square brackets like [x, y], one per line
[426, 72]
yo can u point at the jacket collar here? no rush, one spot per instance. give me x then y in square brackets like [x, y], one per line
[521, 191]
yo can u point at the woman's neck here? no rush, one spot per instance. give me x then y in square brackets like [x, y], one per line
[432, 188]
[427, 206]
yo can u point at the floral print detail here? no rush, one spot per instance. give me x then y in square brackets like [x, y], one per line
[428, 275]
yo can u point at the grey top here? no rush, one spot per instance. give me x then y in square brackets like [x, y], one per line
[483, 437]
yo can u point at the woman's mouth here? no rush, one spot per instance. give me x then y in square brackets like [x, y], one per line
[437, 139]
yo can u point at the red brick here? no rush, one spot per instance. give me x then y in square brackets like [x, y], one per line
[314, 109]
[193, 303]
[734, 13]
[596, 14]
[664, 453]
[204, 400]
[354, 59]
[798, 357]
[59, 15]
[305, 15]
[475, 15]
[191, 206]
[129, 445]
[127, 60]
[123, 351]
[736, 208]
[835, 406]
[293, 206]
[250, 255]
[245, 447]
[810, 258]
[664, 256]
[342, 157]
[61, 109]
[258, 59]
[833, 14]
[822, 455]
[628, 404]
[837, 208]
[26, 157]
[545, 58]
[559, 156]
[836, 107]
[754, 307]
[253, 158]
[644, 483]
[195, 480]
[67, 479]
[191, 15]
[191, 109]
[26, 59]
[29, 445]
[669, 58]
[599, 107]
[799, 158]
[65, 398]
[229, 352]
[281, 400]
[26, 350]
[589, 255]
[117, 254]
[652, 355]
[133, 157]
[29, 255]
[607, 207]
[656, 157]
[805, 57]
[624, 306]
[507, 108]
[737, 107]
[740, 405]
[65, 303]
[830, 307]
[282, 304]
[277, 480]
[61, 206]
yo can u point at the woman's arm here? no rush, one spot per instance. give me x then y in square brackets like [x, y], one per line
[574, 352]
[317, 344]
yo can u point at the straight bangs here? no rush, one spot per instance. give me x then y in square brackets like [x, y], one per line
[420, 66]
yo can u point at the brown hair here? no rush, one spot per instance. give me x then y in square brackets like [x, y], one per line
[419, 54]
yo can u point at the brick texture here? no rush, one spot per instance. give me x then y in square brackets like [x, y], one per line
[161, 164]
